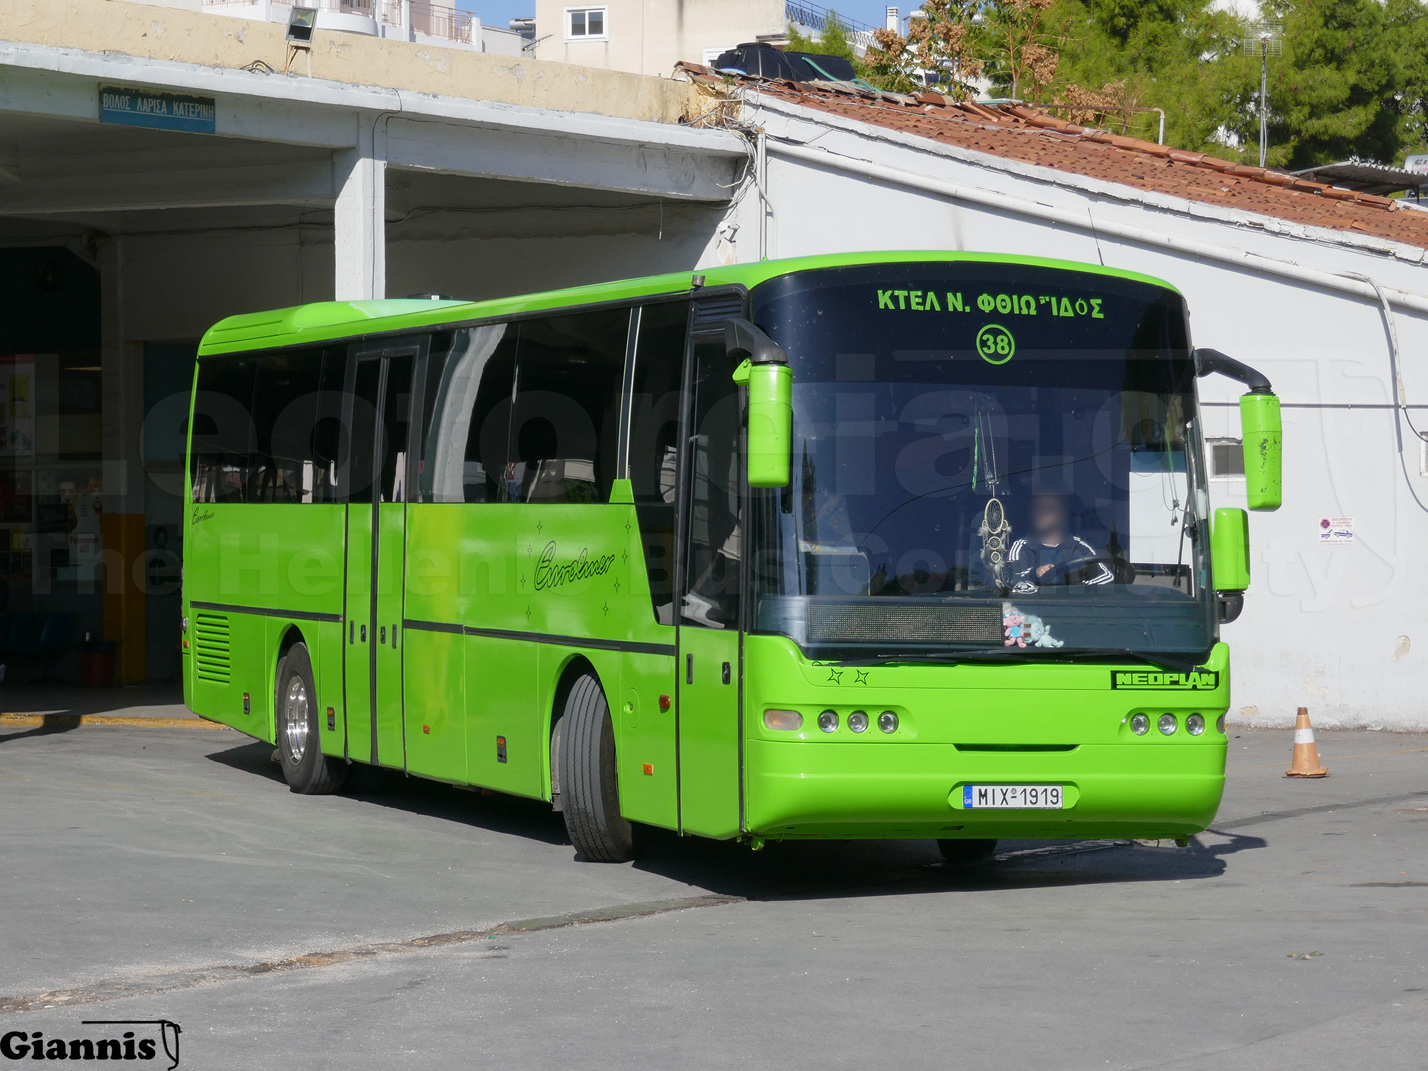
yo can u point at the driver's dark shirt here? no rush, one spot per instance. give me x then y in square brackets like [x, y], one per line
[1029, 555]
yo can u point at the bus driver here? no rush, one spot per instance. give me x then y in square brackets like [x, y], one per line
[1051, 554]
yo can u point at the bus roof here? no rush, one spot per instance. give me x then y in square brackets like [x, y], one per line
[328, 321]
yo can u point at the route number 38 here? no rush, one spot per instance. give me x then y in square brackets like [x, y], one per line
[995, 344]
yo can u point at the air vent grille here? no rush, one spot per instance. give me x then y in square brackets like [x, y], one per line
[212, 648]
[719, 307]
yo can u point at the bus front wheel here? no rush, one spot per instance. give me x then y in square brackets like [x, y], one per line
[589, 788]
[305, 768]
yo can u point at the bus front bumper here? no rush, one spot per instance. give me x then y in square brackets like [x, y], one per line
[820, 789]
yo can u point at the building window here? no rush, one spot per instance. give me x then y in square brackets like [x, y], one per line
[586, 23]
[1227, 459]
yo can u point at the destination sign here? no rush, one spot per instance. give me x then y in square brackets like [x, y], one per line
[156, 109]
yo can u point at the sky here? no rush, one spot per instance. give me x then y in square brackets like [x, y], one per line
[501, 12]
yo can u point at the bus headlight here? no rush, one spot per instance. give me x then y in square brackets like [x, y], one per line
[887, 721]
[858, 721]
[1140, 724]
[1194, 724]
[1220, 724]
[784, 720]
[1167, 724]
[828, 721]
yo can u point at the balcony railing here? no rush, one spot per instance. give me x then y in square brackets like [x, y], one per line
[816, 17]
[430, 20]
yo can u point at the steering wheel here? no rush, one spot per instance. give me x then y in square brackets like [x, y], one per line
[1078, 569]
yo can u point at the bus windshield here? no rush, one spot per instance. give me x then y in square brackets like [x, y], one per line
[987, 457]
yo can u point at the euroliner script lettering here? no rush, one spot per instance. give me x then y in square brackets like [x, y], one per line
[552, 574]
[1197, 680]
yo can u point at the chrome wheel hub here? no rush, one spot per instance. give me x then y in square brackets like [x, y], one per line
[295, 719]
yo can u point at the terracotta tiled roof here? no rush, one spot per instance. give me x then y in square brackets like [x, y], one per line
[1017, 132]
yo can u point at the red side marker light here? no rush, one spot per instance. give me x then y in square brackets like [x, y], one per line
[426, 729]
[649, 768]
[664, 703]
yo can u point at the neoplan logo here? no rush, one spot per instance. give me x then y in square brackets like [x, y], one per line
[1197, 680]
[142, 1040]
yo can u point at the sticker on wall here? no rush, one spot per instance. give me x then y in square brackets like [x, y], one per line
[1336, 531]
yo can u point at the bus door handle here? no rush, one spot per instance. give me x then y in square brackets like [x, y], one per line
[363, 633]
[383, 640]
[394, 637]
[689, 669]
[352, 632]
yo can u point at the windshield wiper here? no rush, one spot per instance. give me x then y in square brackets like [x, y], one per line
[1027, 654]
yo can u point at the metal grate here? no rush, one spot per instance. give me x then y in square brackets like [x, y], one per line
[212, 648]
[721, 307]
[877, 622]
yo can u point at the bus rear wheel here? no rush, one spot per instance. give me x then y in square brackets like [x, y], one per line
[589, 787]
[963, 852]
[305, 768]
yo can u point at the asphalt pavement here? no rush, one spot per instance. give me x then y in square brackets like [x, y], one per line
[168, 873]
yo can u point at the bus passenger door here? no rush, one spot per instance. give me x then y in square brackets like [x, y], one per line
[710, 663]
[379, 388]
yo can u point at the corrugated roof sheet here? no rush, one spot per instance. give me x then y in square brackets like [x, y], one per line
[1019, 132]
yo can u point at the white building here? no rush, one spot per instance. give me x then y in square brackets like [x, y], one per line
[650, 36]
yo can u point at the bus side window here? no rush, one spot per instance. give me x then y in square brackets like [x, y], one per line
[222, 429]
[566, 415]
[653, 447]
[289, 462]
[468, 399]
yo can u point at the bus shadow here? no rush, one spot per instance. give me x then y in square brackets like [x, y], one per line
[797, 870]
[792, 870]
[493, 811]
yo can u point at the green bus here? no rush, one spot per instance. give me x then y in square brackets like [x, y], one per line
[873, 545]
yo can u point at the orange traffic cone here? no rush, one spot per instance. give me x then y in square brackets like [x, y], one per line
[1306, 753]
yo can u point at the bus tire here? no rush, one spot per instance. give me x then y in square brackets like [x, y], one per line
[305, 768]
[964, 852]
[589, 787]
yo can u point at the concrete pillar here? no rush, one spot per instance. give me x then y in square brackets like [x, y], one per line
[122, 522]
[359, 219]
[406, 20]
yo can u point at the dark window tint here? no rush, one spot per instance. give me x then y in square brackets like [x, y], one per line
[1227, 457]
[380, 418]
[714, 547]
[468, 415]
[222, 439]
[566, 415]
[295, 405]
[654, 442]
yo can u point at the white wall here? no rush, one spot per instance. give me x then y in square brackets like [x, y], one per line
[650, 36]
[1340, 629]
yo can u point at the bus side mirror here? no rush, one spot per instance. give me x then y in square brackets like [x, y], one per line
[1262, 431]
[1229, 560]
[1260, 427]
[764, 371]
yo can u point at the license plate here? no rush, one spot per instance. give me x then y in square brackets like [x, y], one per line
[1012, 797]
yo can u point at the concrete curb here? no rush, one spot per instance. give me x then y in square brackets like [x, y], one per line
[70, 721]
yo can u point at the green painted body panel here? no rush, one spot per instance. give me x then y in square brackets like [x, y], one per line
[709, 731]
[497, 604]
[973, 725]
[266, 559]
[1262, 429]
[1229, 549]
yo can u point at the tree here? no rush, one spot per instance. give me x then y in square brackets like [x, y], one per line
[940, 47]
[835, 40]
[1334, 94]
[1022, 52]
